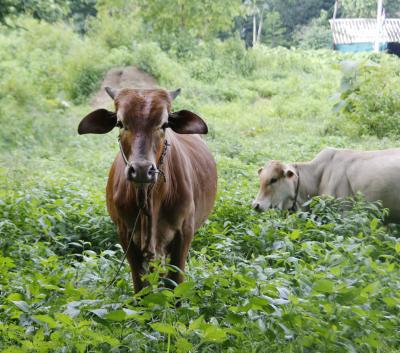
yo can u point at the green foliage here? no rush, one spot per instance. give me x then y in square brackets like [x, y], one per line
[282, 18]
[315, 35]
[201, 19]
[116, 24]
[49, 10]
[367, 8]
[369, 96]
[325, 280]
[273, 29]
[298, 13]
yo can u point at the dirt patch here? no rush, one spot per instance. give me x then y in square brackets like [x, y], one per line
[121, 77]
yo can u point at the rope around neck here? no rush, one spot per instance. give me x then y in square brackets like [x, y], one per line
[294, 206]
[160, 163]
[126, 251]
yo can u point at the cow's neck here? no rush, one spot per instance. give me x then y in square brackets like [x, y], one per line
[154, 196]
[310, 176]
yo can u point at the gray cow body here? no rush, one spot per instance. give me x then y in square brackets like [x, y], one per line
[335, 172]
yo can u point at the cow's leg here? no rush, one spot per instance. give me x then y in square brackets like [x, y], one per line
[133, 254]
[136, 260]
[179, 249]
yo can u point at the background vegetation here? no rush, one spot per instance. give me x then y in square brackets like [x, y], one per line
[311, 281]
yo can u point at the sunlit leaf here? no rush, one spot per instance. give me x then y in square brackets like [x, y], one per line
[116, 315]
[46, 319]
[163, 328]
[324, 286]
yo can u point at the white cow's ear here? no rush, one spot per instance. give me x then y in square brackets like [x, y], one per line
[289, 172]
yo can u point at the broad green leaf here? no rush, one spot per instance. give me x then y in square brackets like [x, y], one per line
[160, 298]
[183, 345]
[196, 324]
[184, 289]
[46, 319]
[117, 315]
[81, 346]
[164, 328]
[214, 334]
[391, 302]
[371, 288]
[15, 297]
[374, 224]
[138, 316]
[324, 286]
[295, 234]
[64, 319]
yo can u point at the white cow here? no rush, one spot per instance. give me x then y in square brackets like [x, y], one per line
[335, 172]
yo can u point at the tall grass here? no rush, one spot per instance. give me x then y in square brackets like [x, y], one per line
[316, 281]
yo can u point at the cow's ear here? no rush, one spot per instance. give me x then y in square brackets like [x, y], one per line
[260, 170]
[100, 121]
[186, 122]
[289, 172]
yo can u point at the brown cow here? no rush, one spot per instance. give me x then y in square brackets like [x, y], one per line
[155, 142]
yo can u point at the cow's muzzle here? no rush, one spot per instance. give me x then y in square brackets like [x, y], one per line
[142, 172]
[257, 206]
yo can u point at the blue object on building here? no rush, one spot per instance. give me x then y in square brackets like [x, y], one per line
[359, 47]
[360, 34]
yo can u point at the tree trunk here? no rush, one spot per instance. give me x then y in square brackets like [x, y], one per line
[378, 26]
[260, 24]
[335, 9]
[254, 28]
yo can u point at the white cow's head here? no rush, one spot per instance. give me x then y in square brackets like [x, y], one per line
[278, 183]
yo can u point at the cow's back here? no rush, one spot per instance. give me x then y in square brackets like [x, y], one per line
[373, 173]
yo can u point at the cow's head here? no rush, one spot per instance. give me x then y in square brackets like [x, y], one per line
[142, 117]
[278, 183]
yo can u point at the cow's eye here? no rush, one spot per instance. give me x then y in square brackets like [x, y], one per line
[273, 180]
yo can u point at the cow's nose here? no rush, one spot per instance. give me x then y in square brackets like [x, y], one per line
[142, 172]
[256, 206]
[151, 172]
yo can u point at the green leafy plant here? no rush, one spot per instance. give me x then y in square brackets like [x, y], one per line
[324, 280]
[369, 95]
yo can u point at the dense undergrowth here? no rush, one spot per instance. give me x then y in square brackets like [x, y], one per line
[326, 280]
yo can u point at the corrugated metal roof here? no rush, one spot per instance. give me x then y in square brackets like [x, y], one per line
[363, 30]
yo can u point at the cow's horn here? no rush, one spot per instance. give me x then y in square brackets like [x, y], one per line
[112, 92]
[174, 94]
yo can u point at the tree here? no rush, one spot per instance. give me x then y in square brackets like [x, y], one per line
[80, 11]
[255, 10]
[274, 29]
[315, 35]
[285, 17]
[367, 8]
[199, 18]
[295, 13]
[49, 10]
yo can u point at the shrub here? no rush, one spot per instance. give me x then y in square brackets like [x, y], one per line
[370, 95]
[116, 24]
[150, 58]
[315, 35]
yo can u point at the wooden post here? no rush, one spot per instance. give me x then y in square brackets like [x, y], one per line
[378, 26]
